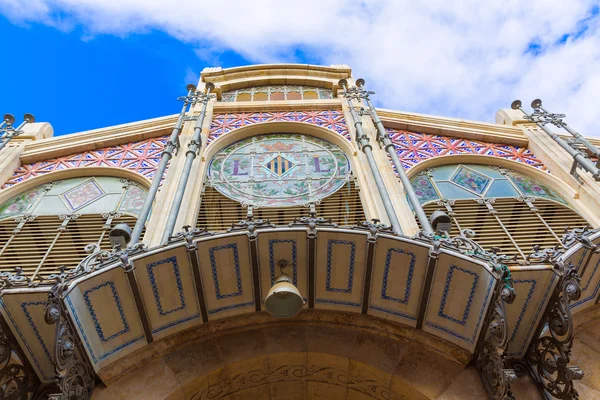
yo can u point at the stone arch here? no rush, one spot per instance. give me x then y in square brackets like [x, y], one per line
[331, 355]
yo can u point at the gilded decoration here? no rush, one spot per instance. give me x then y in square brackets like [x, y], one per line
[141, 157]
[279, 170]
[414, 147]
[330, 119]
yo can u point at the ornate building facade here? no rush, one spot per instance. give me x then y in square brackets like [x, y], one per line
[430, 257]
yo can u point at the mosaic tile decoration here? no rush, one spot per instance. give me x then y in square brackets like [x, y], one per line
[330, 119]
[141, 157]
[133, 200]
[82, 194]
[414, 147]
[471, 180]
[20, 204]
[424, 189]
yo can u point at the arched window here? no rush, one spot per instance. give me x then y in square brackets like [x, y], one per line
[506, 209]
[277, 93]
[279, 175]
[49, 226]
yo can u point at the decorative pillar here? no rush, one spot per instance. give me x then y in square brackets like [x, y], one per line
[363, 142]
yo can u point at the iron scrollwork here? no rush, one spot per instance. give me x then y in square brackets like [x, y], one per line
[549, 354]
[74, 374]
[490, 360]
[17, 378]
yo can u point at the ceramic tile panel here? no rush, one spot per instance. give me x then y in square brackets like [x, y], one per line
[289, 245]
[141, 157]
[588, 268]
[104, 312]
[24, 313]
[330, 119]
[226, 273]
[397, 279]
[167, 285]
[340, 270]
[414, 147]
[460, 294]
[534, 287]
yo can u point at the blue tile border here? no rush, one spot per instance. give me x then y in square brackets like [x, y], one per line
[467, 339]
[86, 341]
[26, 343]
[535, 317]
[533, 283]
[466, 312]
[174, 323]
[231, 307]
[177, 274]
[409, 277]
[215, 275]
[338, 302]
[595, 292]
[272, 243]
[393, 312]
[330, 244]
[117, 300]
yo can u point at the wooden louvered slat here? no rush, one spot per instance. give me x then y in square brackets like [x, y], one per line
[218, 212]
[523, 225]
[28, 247]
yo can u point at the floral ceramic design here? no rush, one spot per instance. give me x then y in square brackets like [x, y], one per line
[530, 187]
[83, 194]
[133, 200]
[424, 189]
[471, 180]
[21, 203]
[279, 170]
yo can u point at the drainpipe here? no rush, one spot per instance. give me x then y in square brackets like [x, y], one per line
[165, 157]
[193, 149]
[384, 140]
[363, 143]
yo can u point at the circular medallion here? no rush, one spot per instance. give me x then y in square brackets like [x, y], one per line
[279, 170]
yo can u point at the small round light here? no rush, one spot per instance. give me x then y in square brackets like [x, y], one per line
[284, 299]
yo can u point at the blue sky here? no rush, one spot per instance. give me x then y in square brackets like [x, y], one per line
[80, 84]
[85, 64]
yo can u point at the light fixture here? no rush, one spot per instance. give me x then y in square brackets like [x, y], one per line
[440, 222]
[120, 235]
[284, 299]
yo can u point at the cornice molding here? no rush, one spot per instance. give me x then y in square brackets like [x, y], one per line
[454, 127]
[60, 146]
[287, 105]
[217, 74]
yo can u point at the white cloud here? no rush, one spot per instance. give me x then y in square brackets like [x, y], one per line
[463, 59]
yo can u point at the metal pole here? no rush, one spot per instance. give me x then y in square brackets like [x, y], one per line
[577, 155]
[556, 119]
[193, 148]
[363, 142]
[12, 132]
[389, 147]
[166, 155]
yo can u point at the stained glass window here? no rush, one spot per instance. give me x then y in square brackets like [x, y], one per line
[472, 181]
[277, 93]
[97, 195]
[279, 170]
